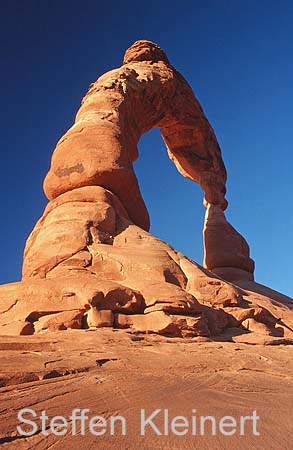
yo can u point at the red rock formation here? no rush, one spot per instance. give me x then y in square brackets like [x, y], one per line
[226, 252]
[100, 147]
[90, 261]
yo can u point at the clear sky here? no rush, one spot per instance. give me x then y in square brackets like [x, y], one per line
[237, 56]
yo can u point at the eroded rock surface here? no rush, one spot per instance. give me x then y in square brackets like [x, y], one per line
[90, 260]
[226, 252]
[100, 147]
[87, 265]
[111, 372]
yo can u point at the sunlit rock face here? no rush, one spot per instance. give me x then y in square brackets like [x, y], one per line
[90, 261]
[226, 252]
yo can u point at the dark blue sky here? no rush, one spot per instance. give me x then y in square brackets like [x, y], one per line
[237, 56]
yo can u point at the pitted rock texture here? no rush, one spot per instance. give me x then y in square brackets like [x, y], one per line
[90, 261]
[100, 147]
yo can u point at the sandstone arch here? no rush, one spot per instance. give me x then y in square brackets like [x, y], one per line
[101, 146]
[90, 260]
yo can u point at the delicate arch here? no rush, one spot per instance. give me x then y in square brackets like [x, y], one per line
[100, 147]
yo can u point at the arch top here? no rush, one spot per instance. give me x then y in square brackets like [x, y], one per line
[144, 50]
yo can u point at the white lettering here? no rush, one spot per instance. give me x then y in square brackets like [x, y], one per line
[113, 419]
[203, 419]
[179, 422]
[27, 422]
[98, 422]
[56, 423]
[149, 421]
[227, 422]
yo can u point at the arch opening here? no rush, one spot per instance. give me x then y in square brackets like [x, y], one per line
[174, 202]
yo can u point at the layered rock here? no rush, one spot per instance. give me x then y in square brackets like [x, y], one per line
[90, 260]
[226, 252]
